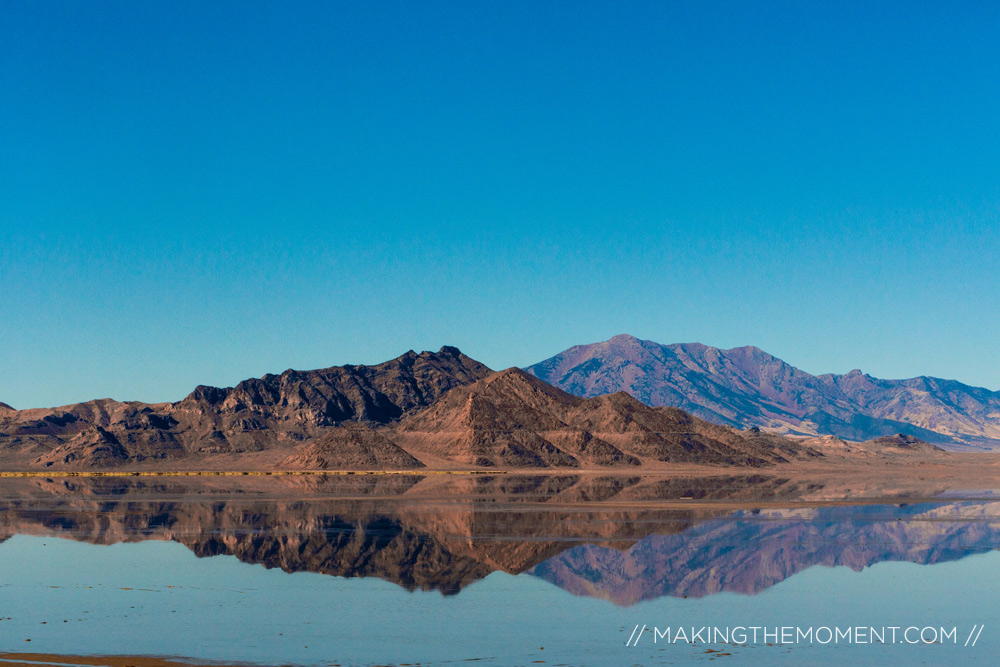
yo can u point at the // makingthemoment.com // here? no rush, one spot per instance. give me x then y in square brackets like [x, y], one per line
[779, 635]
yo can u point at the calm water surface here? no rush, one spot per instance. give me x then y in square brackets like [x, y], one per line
[500, 570]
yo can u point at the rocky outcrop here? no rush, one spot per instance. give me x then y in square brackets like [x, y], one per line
[93, 447]
[375, 394]
[902, 442]
[354, 447]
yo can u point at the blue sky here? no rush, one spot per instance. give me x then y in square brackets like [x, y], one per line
[202, 192]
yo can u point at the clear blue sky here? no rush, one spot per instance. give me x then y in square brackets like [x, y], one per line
[202, 192]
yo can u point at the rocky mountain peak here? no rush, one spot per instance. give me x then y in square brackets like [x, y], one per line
[624, 339]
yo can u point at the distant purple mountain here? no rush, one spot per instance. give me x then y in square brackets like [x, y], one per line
[746, 386]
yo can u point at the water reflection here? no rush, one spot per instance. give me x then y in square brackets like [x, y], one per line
[624, 539]
[748, 552]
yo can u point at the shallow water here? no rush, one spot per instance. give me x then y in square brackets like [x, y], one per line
[501, 570]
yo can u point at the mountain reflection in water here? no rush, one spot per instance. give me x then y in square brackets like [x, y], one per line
[624, 539]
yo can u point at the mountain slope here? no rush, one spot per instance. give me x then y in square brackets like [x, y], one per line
[354, 447]
[514, 419]
[746, 386]
[507, 419]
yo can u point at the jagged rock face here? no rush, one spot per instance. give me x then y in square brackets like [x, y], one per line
[746, 386]
[258, 414]
[378, 394]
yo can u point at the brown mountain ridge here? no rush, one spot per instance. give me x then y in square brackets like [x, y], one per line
[274, 413]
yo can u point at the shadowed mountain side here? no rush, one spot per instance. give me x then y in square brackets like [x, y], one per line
[377, 394]
[750, 552]
[746, 386]
[275, 411]
[514, 419]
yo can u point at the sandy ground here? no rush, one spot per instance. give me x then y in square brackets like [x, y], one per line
[38, 659]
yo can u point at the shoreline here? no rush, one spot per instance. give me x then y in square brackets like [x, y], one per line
[237, 473]
[974, 462]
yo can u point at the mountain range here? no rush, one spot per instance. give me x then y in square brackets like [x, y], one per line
[445, 410]
[439, 409]
[745, 387]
